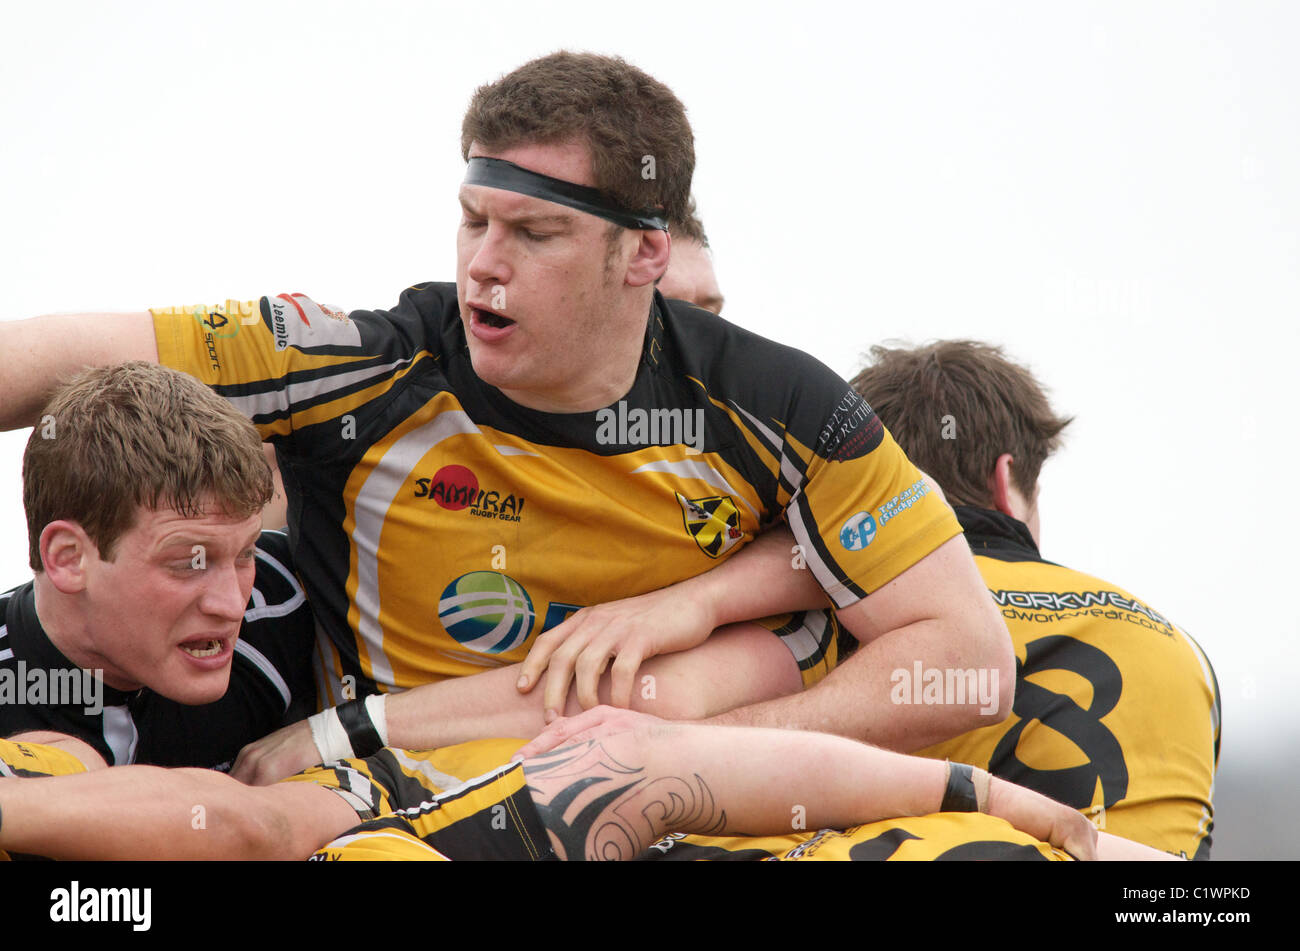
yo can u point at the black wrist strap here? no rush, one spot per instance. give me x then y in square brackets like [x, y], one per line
[360, 729]
[960, 794]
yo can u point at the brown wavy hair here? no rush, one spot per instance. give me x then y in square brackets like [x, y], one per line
[117, 438]
[955, 406]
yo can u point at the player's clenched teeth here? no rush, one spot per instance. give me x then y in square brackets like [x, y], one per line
[208, 648]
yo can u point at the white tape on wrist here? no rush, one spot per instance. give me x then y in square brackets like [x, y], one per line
[327, 733]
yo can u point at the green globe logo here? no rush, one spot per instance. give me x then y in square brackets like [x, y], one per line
[487, 612]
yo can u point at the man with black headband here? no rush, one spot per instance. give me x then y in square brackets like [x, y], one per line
[472, 467]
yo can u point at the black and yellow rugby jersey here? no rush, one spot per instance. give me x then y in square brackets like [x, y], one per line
[460, 802]
[270, 681]
[940, 837]
[25, 760]
[1116, 710]
[439, 527]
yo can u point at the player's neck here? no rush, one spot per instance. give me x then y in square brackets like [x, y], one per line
[580, 395]
[66, 627]
[601, 377]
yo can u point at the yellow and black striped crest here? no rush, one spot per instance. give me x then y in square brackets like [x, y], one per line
[712, 521]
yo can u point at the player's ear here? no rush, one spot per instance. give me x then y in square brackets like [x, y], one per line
[65, 549]
[650, 259]
[1001, 487]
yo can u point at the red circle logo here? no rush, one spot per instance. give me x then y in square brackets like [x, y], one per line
[454, 487]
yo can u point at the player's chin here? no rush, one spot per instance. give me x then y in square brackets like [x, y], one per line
[194, 687]
[493, 367]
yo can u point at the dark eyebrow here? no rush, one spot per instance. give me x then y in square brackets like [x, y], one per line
[524, 219]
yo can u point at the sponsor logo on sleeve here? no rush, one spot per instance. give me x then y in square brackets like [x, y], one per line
[858, 531]
[861, 528]
[852, 430]
[299, 322]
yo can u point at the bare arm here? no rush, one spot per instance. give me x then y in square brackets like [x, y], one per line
[762, 579]
[939, 614]
[42, 352]
[738, 665]
[617, 790]
[144, 812]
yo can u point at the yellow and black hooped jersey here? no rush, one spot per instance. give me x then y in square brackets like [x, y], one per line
[1116, 710]
[23, 760]
[438, 527]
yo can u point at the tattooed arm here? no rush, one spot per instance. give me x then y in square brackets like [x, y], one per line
[611, 796]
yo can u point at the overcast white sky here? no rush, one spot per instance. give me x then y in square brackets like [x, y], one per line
[1109, 190]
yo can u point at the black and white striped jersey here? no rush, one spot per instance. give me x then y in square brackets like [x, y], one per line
[270, 681]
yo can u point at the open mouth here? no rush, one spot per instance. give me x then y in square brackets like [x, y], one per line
[209, 647]
[490, 319]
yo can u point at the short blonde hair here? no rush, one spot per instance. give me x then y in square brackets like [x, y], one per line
[118, 438]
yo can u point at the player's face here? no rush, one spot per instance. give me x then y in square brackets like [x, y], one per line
[166, 611]
[690, 276]
[540, 289]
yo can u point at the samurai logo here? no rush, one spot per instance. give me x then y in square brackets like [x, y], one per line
[712, 521]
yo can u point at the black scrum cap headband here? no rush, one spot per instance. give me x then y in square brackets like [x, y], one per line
[498, 173]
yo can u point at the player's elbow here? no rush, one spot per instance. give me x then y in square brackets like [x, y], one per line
[996, 673]
[265, 830]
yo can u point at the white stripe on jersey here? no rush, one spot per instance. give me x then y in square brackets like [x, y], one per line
[840, 594]
[425, 768]
[696, 469]
[7, 652]
[788, 470]
[120, 734]
[373, 501]
[515, 451]
[457, 791]
[280, 401]
[1205, 673]
[275, 610]
[266, 667]
[807, 640]
[262, 609]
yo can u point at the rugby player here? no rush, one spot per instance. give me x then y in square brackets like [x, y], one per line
[182, 628]
[690, 276]
[611, 790]
[1116, 709]
[469, 468]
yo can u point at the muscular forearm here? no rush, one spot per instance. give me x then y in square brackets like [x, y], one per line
[728, 781]
[768, 576]
[463, 708]
[43, 352]
[740, 664]
[144, 812]
[878, 696]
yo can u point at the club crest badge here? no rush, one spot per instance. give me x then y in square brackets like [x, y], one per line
[712, 521]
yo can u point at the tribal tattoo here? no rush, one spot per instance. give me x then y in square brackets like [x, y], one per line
[601, 809]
